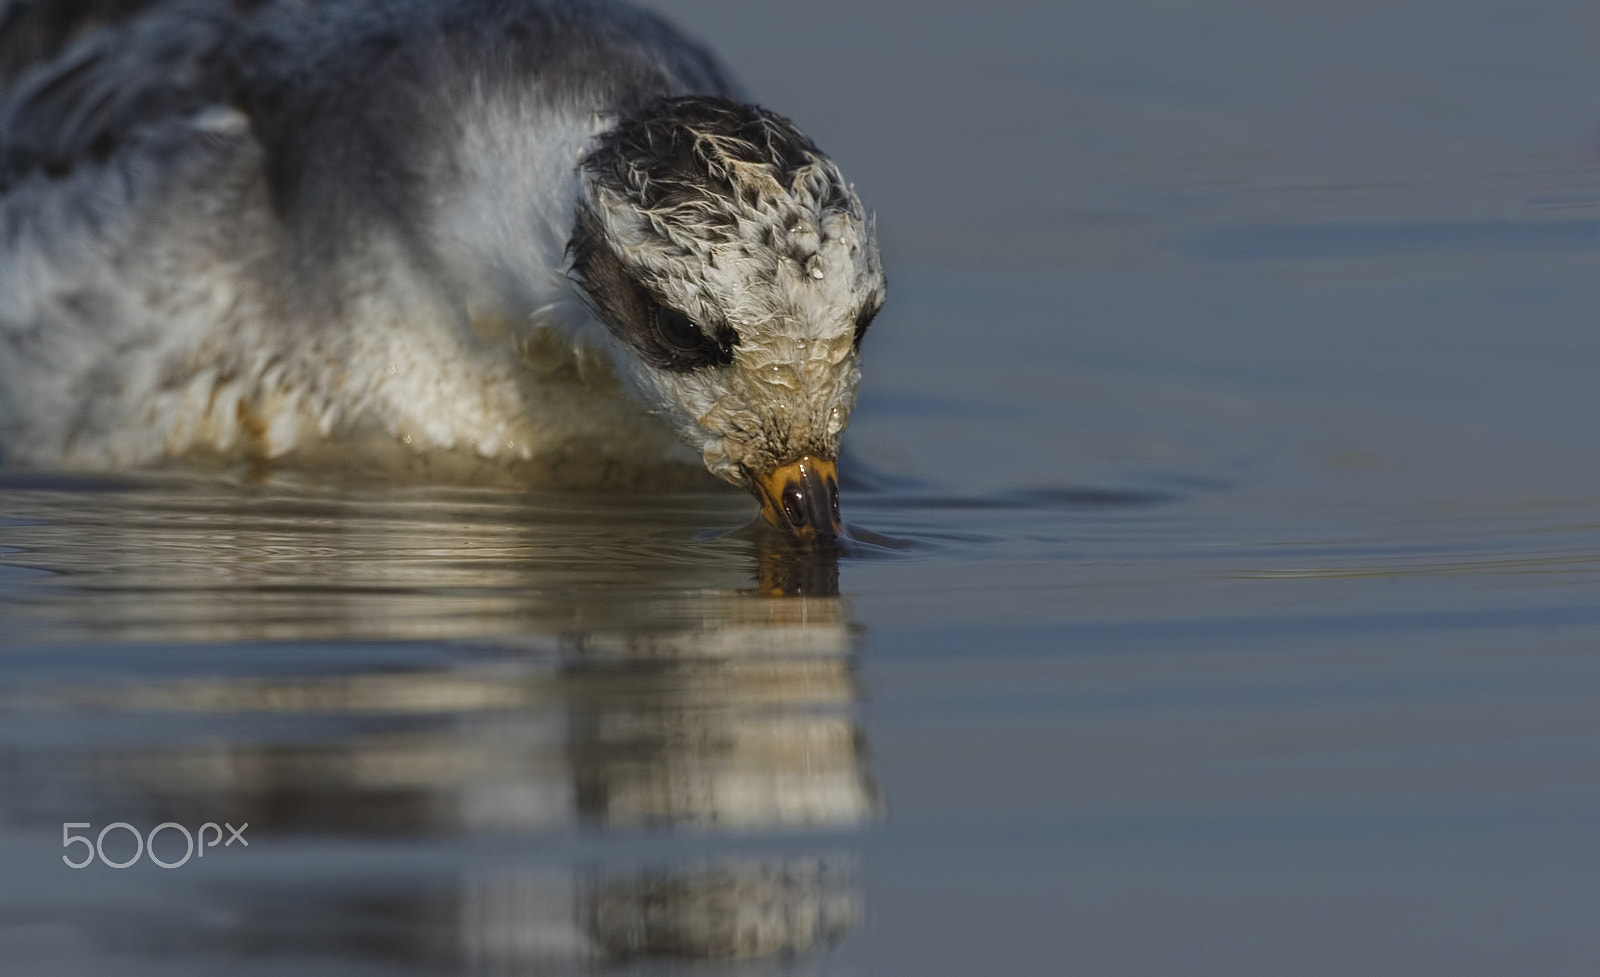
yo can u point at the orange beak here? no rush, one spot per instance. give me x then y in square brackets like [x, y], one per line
[801, 498]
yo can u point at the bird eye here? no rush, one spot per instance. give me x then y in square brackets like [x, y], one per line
[675, 328]
[675, 342]
[864, 320]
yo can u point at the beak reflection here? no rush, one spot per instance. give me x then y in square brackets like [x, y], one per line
[801, 499]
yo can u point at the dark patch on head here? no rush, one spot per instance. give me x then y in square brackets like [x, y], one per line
[665, 337]
[679, 153]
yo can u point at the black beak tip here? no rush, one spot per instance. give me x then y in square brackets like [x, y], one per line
[811, 506]
[801, 500]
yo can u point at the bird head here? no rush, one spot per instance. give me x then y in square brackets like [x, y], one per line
[737, 272]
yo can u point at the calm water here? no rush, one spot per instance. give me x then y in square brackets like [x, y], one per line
[1228, 599]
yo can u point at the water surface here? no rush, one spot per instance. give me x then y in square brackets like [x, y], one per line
[1229, 504]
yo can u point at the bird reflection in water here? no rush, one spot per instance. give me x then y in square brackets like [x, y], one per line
[667, 773]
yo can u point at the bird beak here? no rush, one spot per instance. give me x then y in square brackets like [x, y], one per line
[802, 498]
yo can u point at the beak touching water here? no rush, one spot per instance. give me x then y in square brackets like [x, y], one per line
[801, 499]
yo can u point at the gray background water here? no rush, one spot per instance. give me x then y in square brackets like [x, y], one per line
[1230, 439]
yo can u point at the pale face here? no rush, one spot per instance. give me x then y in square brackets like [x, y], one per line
[737, 272]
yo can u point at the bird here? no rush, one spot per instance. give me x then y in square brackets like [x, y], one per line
[547, 242]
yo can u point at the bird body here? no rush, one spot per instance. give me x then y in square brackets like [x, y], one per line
[524, 240]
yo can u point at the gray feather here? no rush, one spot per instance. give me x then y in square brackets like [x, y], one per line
[34, 32]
